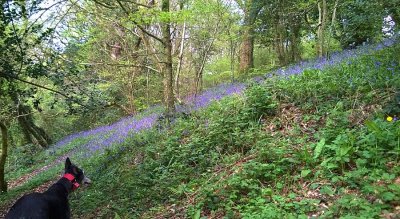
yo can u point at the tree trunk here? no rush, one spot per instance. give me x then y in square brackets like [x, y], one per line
[116, 51]
[247, 47]
[334, 13]
[148, 87]
[32, 132]
[332, 28]
[322, 11]
[232, 53]
[199, 81]
[246, 50]
[3, 156]
[180, 58]
[279, 43]
[295, 40]
[199, 73]
[205, 53]
[169, 99]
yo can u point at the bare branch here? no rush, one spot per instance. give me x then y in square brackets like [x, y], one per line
[137, 3]
[104, 5]
[148, 33]
[139, 26]
[119, 65]
[44, 10]
[15, 34]
[5, 75]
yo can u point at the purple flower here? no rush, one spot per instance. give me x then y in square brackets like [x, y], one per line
[106, 136]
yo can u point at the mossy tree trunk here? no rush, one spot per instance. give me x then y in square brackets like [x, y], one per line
[3, 156]
[251, 9]
[295, 39]
[280, 39]
[246, 50]
[33, 133]
[169, 99]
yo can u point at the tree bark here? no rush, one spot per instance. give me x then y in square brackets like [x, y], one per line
[246, 60]
[169, 99]
[334, 13]
[3, 156]
[148, 87]
[295, 40]
[232, 53]
[322, 11]
[246, 50]
[279, 42]
[332, 28]
[32, 132]
[199, 73]
[180, 58]
[116, 51]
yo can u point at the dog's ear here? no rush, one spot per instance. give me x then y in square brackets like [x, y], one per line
[68, 163]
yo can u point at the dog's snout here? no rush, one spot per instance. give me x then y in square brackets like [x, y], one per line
[86, 180]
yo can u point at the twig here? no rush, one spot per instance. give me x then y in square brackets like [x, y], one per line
[139, 26]
[4, 75]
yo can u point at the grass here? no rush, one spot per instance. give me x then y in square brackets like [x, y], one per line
[18, 165]
[314, 144]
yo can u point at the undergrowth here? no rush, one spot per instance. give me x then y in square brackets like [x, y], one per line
[314, 145]
[317, 144]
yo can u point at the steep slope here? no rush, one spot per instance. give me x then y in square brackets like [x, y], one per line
[316, 144]
[309, 145]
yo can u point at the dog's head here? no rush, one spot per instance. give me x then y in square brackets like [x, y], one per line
[76, 172]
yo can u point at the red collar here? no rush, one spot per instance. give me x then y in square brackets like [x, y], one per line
[72, 179]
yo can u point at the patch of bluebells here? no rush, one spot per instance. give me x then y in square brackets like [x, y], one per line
[106, 136]
[120, 131]
[196, 102]
[334, 59]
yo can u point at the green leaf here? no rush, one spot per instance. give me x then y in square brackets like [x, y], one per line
[327, 190]
[372, 126]
[117, 216]
[344, 150]
[197, 214]
[305, 173]
[318, 149]
[331, 166]
[388, 196]
[266, 191]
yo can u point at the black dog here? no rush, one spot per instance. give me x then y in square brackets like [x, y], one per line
[54, 202]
